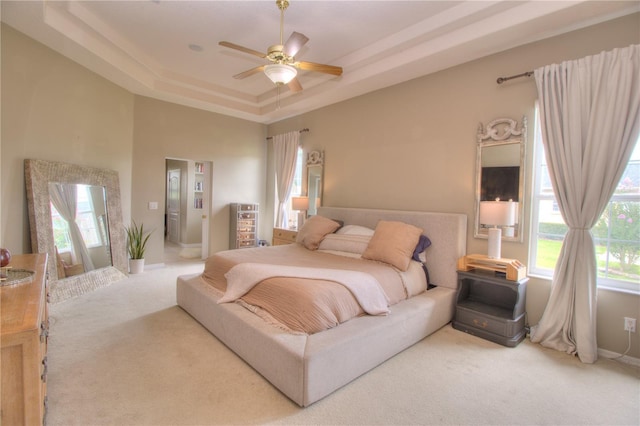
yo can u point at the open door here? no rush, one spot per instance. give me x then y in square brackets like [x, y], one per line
[173, 205]
[206, 206]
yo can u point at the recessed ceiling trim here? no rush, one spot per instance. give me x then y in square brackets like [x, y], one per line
[64, 24]
[211, 98]
[194, 83]
[120, 45]
[381, 53]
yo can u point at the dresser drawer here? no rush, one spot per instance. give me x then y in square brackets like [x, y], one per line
[247, 207]
[246, 243]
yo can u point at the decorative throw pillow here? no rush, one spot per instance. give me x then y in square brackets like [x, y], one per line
[393, 243]
[422, 245]
[314, 230]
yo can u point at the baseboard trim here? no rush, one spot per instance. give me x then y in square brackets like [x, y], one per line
[155, 265]
[616, 356]
[192, 245]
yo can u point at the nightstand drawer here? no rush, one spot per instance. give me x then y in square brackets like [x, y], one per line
[490, 323]
[284, 236]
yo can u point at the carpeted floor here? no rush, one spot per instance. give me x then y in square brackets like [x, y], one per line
[127, 355]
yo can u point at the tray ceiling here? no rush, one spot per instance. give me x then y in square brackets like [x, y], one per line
[169, 49]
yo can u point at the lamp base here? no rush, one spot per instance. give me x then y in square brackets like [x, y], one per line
[494, 245]
[508, 231]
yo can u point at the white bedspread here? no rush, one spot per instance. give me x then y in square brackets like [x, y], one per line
[365, 288]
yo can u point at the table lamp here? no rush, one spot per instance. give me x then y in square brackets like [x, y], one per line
[301, 204]
[496, 213]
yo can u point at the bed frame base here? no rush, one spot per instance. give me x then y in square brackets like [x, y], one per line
[308, 368]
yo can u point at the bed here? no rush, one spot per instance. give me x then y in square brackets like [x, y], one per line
[307, 367]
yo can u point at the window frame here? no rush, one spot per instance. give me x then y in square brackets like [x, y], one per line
[537, 197]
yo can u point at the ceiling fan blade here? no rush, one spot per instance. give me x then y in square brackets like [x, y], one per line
[242, 49]
[311, 66]
[294, 43]
[250, 72]
[294, 85]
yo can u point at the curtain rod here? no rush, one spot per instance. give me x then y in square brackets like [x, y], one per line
[501, 80]
[301, 131]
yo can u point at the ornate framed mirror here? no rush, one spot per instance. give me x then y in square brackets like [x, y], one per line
[96, 251]
[315, 167]
[500, 155]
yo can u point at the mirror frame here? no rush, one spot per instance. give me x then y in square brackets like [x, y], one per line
[38, 174]
[501, 131]
[315, 160]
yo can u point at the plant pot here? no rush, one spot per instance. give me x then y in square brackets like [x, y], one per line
[136, 266]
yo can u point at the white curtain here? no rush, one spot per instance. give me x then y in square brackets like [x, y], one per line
[64, 199]
[589, 113]
[285, 148]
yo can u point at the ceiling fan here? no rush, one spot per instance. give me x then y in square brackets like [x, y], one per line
[283, 67]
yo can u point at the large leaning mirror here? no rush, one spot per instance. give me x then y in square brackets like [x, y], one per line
[75, 216]
[500, 173]
[315, 165]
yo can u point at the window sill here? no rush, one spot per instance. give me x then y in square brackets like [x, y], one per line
[626, 288]
[634, 292]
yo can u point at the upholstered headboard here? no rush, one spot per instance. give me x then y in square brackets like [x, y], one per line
[447, 232]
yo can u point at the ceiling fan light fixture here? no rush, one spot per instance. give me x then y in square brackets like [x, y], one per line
[280, 73]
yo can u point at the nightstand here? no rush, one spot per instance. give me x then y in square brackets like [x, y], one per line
[284, 236]
[491, 307]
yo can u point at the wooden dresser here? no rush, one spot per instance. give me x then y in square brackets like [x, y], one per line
[284, 236]
[24, 332]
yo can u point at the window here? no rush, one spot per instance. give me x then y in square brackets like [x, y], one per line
[296, 191]
[616, 234]
[85, 218]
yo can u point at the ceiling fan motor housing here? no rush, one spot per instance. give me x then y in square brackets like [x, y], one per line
[277, 55]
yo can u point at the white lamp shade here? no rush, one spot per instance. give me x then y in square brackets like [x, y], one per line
[498, 213]
[299, 203]
[280, 73]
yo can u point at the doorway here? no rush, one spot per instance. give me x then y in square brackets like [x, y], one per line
[188, 198]
[172, 226]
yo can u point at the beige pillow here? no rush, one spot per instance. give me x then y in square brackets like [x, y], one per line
[393, 243]
[314, 230]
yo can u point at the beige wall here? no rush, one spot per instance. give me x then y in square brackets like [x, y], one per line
[412, 146]
[61, 111]
[54, 109]
[237, 149]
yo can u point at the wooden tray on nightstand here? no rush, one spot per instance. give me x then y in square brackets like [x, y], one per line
[513, 269]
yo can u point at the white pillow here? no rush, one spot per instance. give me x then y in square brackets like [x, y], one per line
[347, 243]
[355, 230]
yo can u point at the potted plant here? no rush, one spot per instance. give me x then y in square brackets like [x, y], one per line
[136, 244]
